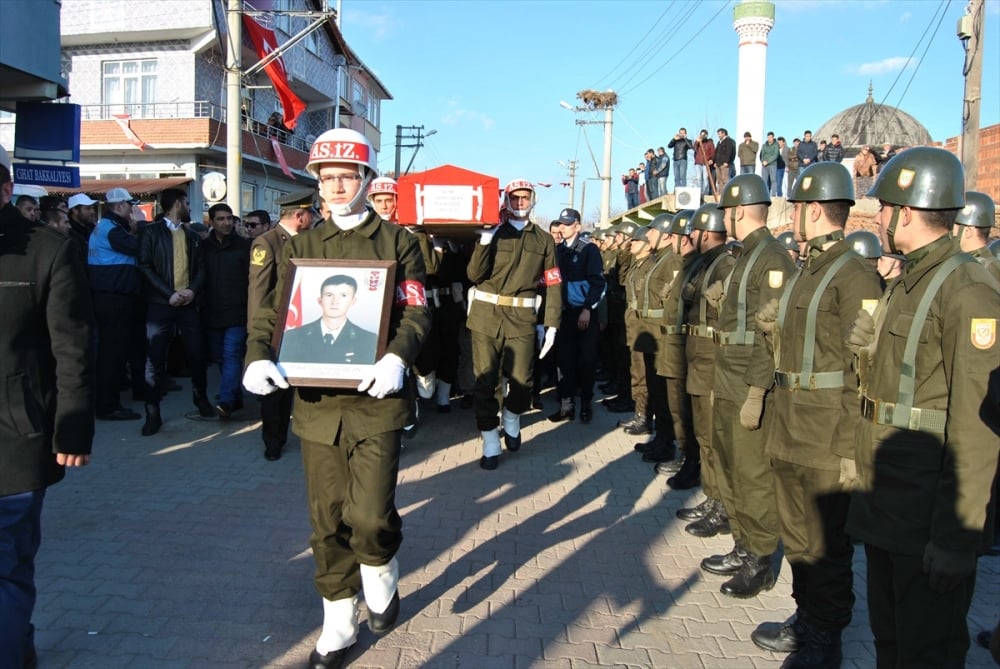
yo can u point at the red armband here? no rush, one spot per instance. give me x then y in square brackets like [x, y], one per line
[410, 294]
[552, 276]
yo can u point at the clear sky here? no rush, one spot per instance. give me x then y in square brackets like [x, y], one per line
[489, 76]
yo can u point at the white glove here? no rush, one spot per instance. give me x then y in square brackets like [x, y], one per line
[549, 340]
[486, 236]
[263, 377]
[457, 293]
[385, 378]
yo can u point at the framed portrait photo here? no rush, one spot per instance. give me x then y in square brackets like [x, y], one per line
[333, 320]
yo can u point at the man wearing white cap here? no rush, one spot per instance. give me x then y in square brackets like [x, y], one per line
[114, 282]
[82, 217]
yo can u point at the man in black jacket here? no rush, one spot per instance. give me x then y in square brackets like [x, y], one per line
[226, 258]
[114, 282]
[47, 398]
[725, 154]
[172, 274]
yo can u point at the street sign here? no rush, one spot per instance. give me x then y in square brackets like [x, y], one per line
[59, 176]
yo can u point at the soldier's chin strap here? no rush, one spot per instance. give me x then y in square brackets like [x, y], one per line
[803, 213]
[816, 244]
[732, 222]
[890, 233]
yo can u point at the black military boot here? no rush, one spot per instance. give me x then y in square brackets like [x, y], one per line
[205, 408]
[689, 475]
[652, 445]
[821, 650]
[638, 425]
[586, 411]
[695, 512]
[716, 522]
[754, 576]
[153, 420]
[786, 637]
[725, 565]
[671, 467]
[567, 411]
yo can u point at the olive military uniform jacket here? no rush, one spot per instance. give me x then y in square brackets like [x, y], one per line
[672, 360]
[985, 258]
[514, 264]
[45, 357]
[930, 485]
[702, 319]
[639, 336]
[650, 294]
[815, 428]
[265, 257]
[320, 414]
[761, 272]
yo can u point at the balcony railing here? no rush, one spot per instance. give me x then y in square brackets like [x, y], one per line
[186, 110]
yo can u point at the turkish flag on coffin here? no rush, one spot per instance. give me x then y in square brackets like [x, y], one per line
[264, 42]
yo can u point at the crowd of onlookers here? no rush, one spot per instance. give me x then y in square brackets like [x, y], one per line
[715, 162]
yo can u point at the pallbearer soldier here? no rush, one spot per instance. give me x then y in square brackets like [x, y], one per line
[972, 229]
[814, 412]
[507, 267]
[744, 373]
[709, 236]
[297, 215]
[576, 341]
[926, 449]
[350, 438]
[672, 363]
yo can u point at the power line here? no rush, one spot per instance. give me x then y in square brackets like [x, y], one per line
[692, 6]
[694, 36]
[629, 53]
[924, 54]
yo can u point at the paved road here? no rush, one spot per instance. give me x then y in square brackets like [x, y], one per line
[189, 550]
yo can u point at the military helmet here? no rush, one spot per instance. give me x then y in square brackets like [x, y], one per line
[865, 244]
[682, 223]
[710, 218]
[628, 229]
[979, 211]
[640, 234]
[744, 189]
[923, 177]
[662, 222]
[787, 239]
[994, 247]
[823, 182]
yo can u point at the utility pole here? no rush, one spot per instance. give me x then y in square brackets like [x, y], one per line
[970, 32]
[234, 106]
[417, 134]
[596, 101]
[572, 182]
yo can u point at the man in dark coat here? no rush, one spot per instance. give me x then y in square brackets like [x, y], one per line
[46, 360]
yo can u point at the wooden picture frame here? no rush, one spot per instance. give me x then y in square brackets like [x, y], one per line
[324, 336]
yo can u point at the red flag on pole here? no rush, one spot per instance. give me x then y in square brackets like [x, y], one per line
[294, 317]
[264, 42]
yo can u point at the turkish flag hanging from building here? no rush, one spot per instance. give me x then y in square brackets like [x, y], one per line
[264, 42]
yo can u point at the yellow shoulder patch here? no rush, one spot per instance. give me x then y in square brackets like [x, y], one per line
[258, 255]
[775, 278]
[984, 333]
[869, 306]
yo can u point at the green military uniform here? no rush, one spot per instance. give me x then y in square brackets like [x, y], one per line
[507, 273]
[351, 441]
[927, 478]
[275, 409]
[702, 319]
[641, 334]
[814, 411]
[741, 361]
[985, 258]
[927, 446]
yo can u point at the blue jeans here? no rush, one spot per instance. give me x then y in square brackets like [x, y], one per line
[680, 173]
[651, 191]
[632, 199]
[781, 178]
[770, 178]
[229, 347]
[20, 536]
[746, 169]
[701, 178]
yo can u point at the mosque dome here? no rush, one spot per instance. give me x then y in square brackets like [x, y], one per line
[874, 125]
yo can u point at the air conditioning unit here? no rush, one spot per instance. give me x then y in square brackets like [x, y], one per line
[687, 198]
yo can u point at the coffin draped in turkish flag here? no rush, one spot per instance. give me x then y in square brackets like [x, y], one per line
[264, 42]
[448, 196]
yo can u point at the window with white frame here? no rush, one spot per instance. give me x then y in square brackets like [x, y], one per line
[129, 87]
[373, 107]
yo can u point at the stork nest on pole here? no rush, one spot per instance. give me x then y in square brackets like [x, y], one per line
[598, 99]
